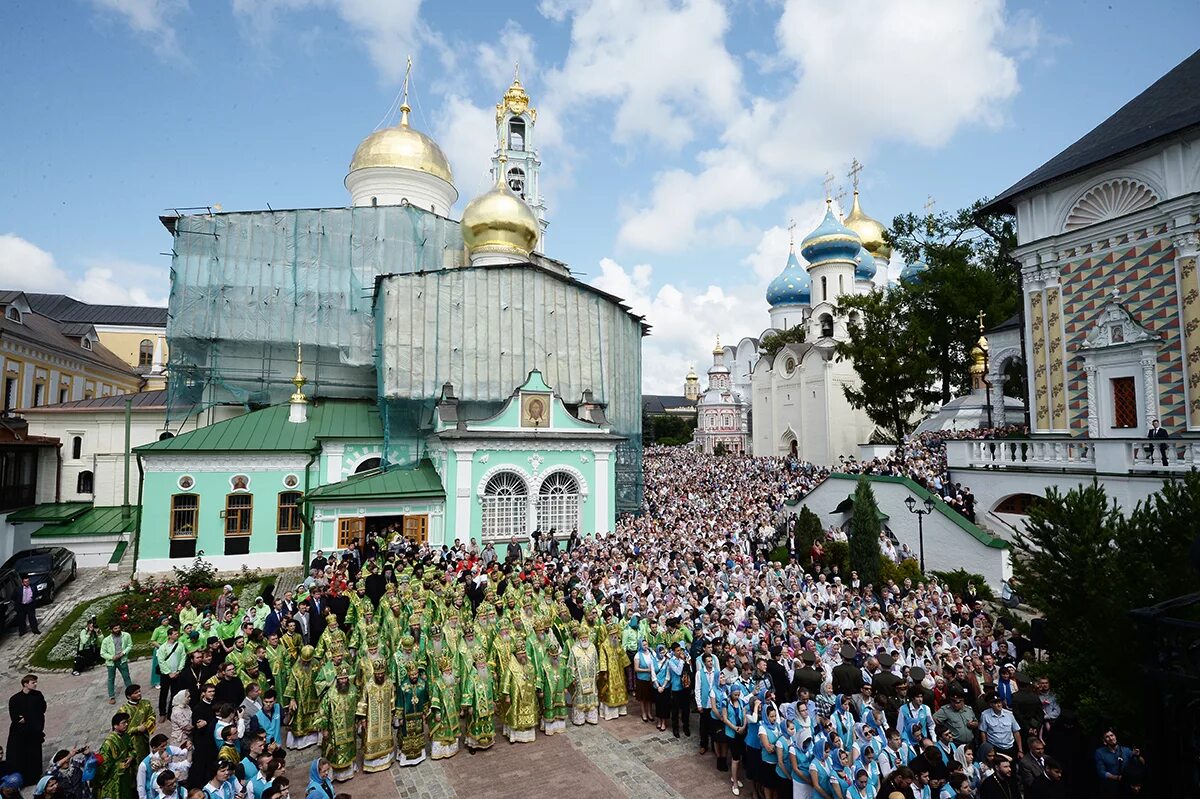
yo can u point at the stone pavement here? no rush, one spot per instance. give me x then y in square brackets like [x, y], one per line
[88, 584]
[617, 758]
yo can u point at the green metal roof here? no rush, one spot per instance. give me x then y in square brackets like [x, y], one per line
[268, 430]
[50, 512]
[421, 482]
[96, 521]
[976, 532]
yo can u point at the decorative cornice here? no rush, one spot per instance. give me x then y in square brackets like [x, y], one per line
[222, 463]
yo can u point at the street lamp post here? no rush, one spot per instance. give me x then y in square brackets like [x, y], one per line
[921, 512]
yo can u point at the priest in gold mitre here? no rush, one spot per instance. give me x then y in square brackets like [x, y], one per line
[376, 709]
[611, 683]
[338, 725]
[521, 699]
[585, 666]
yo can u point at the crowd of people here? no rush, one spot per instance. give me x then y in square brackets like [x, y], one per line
[796, 682]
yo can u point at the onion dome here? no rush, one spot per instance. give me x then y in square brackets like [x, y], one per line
[831, 241]
[717, 348]
[499, 222]
[912, 272]
[692, 377]
[792, 286]
[868, 230]
[402, 147]
[864, 265]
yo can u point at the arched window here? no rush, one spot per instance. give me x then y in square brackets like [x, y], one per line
[841, 285]
[164, 435]
[558, 503]
[516, 134]
[826, 326]
[76, 448]
[505, 504]
[367, 465]
[83, 483]
[146, 352]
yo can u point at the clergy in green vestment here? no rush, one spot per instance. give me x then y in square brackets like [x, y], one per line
[142, 720]
[445, 702]
[479, 698]
[412, 707]
[376, 709]
[115, 776]
[554, 679]
[521, 699]
[302, 702]
[338, 722]
[585, 666]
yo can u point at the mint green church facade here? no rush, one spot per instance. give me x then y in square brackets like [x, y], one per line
[271, 486]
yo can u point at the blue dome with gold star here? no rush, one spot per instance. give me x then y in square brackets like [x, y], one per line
[912, 272]
[864, 265]
[793, 286]
[831, 241]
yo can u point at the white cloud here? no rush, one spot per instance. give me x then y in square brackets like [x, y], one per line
[944, 65]
[150, 19]
[390, 30]
[467, 134]
[660, 66]
[26, 267]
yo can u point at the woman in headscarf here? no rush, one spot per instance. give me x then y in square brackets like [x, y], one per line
[320, 784]
[662, 688]
[734, 718]
[48, 787]
[181, 718]
[821, 770]
[10, 786]
[768, 738]
[643, 664]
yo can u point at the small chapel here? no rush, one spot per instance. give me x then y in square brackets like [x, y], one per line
[797, 404]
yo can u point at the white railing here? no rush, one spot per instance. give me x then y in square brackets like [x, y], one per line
[1032, 453]
[1110, 456]
[1157, 456]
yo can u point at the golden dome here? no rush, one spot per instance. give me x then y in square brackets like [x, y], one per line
[718, 349]
[403, 148]
[499, 221]
[692, 377]
[868, 230]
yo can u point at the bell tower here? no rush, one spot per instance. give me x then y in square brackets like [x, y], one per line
[516, 158]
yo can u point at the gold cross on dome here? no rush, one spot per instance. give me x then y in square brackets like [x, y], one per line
[855, 168]
[981, 318]
[828, 181]
[792, 233]
[929, 204]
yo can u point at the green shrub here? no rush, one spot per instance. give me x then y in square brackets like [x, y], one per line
[890, 571]
[956, 581]
[780, 554]
[837, 553]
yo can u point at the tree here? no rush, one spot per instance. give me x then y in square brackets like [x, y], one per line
[772, 343]
[864, 534]
[671, 430]
[970, 270]
[890, 357]
[720, 448]
[1085, 566]
[808, 531]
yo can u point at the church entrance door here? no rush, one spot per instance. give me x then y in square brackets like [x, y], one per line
[351, 530]
[416, 528]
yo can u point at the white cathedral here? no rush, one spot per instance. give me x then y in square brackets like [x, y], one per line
[793, 403]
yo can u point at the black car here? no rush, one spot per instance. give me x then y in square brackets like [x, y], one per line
[10, 584]
[48, 569]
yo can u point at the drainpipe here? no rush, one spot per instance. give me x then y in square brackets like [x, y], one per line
[137, 531]
[58, 476]
[125, 509]
[306, 513]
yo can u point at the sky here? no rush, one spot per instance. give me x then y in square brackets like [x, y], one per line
[677, 137]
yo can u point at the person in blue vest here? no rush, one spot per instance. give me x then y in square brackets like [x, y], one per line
[768, 738]
[821, 771]
[269, 717]
[167, 786]
[733, 716]
[320, 785]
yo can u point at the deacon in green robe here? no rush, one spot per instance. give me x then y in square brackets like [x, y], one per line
[337, 719]
[115, 776]
[142, 720]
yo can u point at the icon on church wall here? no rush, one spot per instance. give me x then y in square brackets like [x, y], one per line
[535, 410]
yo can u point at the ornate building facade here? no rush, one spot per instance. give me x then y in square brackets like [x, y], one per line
[722, 414]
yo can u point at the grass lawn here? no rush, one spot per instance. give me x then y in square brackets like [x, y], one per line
[42, 657]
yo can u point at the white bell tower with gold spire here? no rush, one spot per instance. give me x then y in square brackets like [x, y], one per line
[516, 158]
